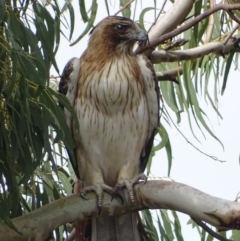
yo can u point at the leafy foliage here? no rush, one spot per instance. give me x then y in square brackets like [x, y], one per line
[28, 104]
[34, 169]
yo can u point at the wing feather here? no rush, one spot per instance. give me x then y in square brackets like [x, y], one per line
[152, 94]
[68, 86]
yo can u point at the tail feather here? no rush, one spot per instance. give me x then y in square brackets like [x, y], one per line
[122, 228]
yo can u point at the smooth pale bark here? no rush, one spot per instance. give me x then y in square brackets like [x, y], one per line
[170, 20]
[219, 48]
[193, 53]
[158, 33]
[38, 224]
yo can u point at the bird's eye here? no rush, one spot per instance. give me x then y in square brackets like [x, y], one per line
[121, 28]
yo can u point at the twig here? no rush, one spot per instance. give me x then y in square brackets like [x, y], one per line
[230, 34]
[158, 15]
[232, 15]
[170, 74]
[209, 230]
[157, 41]
[237, 197]
[210, 24]
[212, 157]
[125, 6]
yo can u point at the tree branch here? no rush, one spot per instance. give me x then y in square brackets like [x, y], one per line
[172, 18]
[122, 8]
[230, 34]
[154, 42]
[159, 14]
[209, 230]
[210, 27]
[193, 53]
[171, 74]
[37, 225]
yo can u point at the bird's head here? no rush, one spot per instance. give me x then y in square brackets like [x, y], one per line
[117, 34]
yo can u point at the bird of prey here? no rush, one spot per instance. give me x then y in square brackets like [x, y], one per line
[115, 96]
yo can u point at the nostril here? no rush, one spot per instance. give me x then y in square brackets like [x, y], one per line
[142, 37]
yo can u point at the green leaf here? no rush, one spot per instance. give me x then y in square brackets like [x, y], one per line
[194, 102]
[162, 232]
[167, 224]
[90, 21]
[126, 12]
[227, 69]
[149, 224]
[164, 136]
[209, 237]
[141, 17]
[83, 11]
[177, 227]
[72, 18]
[168, 149]
[2, 10]
[169, 95]
[235, 235]
[107, 7]
[65, 181]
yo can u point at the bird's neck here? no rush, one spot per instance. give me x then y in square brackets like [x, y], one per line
[107, 51]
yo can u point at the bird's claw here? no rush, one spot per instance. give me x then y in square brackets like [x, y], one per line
[98, 189]
[83, 194]
[129, 185]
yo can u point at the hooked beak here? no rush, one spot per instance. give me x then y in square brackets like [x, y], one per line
[142, 38]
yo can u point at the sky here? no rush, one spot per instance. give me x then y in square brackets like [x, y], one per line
[189, 165]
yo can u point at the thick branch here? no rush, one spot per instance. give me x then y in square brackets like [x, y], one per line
[171, 74]
[193, 53]
[172, 18]
[38, 224]
[156, 41]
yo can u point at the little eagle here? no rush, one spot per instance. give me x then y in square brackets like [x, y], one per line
[116, 99]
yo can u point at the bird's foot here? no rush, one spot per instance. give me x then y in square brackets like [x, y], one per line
[98, 189]
[129, 185]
